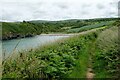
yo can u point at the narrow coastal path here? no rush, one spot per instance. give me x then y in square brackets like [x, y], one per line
[90, 73]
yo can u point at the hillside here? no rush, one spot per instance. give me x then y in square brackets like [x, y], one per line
[12, 30]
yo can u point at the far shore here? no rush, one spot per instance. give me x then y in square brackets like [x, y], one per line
[70, 34]
[57, 34]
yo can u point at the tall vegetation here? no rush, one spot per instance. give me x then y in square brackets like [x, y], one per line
[107, 57]
[53, 61]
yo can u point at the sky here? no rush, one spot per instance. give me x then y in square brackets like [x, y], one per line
[19, 10]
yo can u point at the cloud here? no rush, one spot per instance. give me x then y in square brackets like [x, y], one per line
[18, 10]
[100, 6]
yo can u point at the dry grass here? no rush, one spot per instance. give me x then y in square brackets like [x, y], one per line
[108, 38]
[107, 57]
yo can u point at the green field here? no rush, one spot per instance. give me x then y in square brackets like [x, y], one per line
[96, 25]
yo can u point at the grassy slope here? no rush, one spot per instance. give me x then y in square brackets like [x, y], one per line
[107, 57]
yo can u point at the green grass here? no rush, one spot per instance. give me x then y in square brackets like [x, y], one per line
[81, 65]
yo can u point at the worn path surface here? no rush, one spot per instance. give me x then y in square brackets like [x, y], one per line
[90, 73]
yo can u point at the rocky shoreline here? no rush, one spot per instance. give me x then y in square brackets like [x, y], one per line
[16, 36]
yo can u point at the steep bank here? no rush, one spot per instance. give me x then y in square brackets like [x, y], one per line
[106, 59]
[18, 30]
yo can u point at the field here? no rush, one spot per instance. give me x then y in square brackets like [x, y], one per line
[96, 25]
[71, 58]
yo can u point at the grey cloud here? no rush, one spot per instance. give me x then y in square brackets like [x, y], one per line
[119, 9]
[84, 12]
[112, 13]
[100, 6]
[39, 14]
[119, 5]
[63, 6]
[60, 5]
[86, 5]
